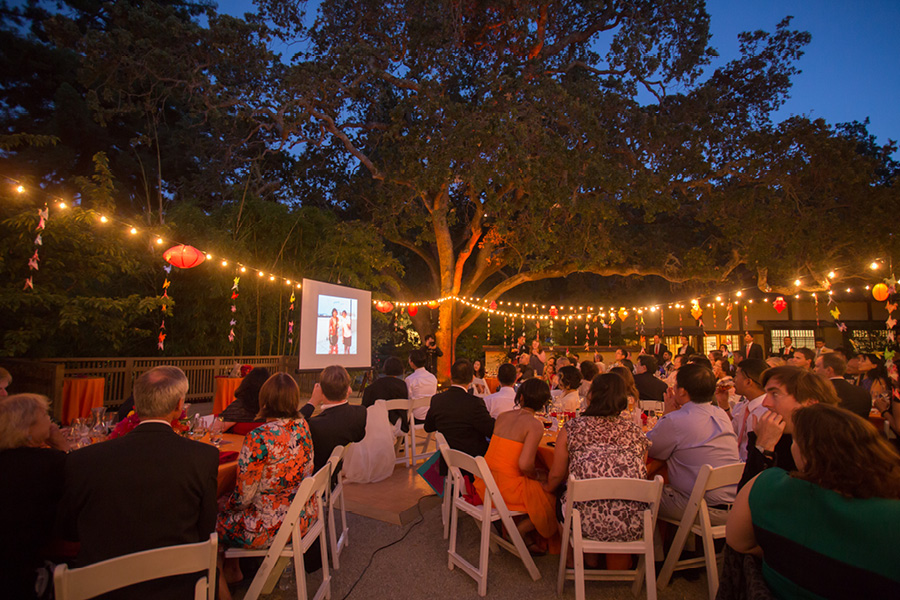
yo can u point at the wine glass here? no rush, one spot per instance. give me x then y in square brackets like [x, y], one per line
[198, 427]
[216, 428]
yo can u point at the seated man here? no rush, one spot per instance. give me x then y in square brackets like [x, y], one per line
[648, 386]
[693, 432]
[420, 383]
[339, 423]
[148, 489]
[747, 383]
[856, 399]
[503, 399]
[389, 387]
[460, 416]
[803, 358]
[787, 389]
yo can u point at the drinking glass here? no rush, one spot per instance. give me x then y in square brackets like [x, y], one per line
[215, 432]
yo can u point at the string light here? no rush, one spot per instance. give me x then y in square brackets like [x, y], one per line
[103, 219]
[20, 189]
[224, 263]
[132, 231]
[159, 240]
[63, 205]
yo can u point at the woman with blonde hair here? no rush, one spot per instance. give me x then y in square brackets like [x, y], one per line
[32, 457]
[828, 529]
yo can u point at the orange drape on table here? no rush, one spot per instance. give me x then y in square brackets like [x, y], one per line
[224, 395]
[80, 395]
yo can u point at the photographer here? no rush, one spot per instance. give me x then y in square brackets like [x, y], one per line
[432, 353]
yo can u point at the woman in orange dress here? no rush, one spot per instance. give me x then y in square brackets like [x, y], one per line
[511, 455]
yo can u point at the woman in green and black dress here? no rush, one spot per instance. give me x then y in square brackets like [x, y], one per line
[830, 529]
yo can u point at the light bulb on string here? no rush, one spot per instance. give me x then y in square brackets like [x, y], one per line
[132, 231]
[103, 219]
[20, 189]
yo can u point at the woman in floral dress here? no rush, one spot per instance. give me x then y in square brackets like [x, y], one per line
[600, 443]
[274, 460]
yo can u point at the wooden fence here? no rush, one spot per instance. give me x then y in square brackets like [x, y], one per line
[201, 371]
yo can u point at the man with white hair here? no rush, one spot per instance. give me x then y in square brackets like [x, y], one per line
[147, 489]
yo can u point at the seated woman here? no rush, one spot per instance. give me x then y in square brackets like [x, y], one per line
[631, 392]
[569, 382]
[600, 443]
[479, 385]
[274, 460]
[32, 456]
[517, 434]
[245, 408]
[829, 529]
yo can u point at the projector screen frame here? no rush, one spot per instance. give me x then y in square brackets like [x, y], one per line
[308, 359]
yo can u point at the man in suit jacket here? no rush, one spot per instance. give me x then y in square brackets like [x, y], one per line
[460, 416]
[831, 366]
[148, 489]
[656, 349]
[648, 386]
[751, 348]
[787, 351]
[685, 349]
[339, 423]
[389, 387]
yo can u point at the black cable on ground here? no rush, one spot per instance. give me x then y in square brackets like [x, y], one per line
[397, 541]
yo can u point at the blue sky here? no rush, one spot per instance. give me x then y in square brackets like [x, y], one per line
[851, 69]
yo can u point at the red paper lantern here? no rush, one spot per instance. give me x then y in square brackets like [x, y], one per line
[880, 292]
[433, 304]
[779, 304]
[412, 310]
[554, 311]
[384, 307]
[183, 257]
[493, 305]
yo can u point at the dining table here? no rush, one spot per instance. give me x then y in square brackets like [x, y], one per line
[227, 475]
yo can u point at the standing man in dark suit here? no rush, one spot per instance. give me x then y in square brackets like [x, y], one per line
[787, 351]
[657, 348]
[389, 387]
[462, 417]
[751, 348]
[148, 489]
[685, 349]
[339, 423]
[831, 366]
[648, 386]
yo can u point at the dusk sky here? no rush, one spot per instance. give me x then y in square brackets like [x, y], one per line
[851, 69]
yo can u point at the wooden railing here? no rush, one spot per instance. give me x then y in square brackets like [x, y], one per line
[201, 371]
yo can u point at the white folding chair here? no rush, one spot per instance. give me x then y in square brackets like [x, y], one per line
[442, 447]
[414, 428]
[493, 509]
[696, 520]
[609, 488]
[289, 541]
[122, 571]
[335, 501]
[402, 404]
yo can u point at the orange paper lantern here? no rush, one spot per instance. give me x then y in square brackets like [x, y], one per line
[412, 310]
[183, 256]
[880, 292]
[384, 307]
[433, 304]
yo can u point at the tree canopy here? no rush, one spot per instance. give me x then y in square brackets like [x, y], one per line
[476, 146]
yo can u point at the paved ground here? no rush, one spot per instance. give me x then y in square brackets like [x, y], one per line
[413, 565]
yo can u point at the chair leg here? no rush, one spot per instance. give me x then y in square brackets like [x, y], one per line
[665, 575]
[561, 574]
[445, 504]
[524, 554]
[332, 535]
[326, 574]
[712, 567]
[454, 522]
[484, 551]
[411, 450]
[300, 574]
[579, 567]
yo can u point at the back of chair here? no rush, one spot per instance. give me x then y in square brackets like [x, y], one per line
[335, 459]
[614, 488]
[122, 571]
[420, 402]
[397, 404]
[722, 476]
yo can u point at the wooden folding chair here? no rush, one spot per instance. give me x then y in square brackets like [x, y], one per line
[414, 428]
[609, 488]
[402, 404]
[493, 509]
[108, 575]
[696, 520]
[447, 501]
[335, 501]
[290, 542]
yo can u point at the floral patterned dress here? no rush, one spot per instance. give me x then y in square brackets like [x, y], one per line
[274, 460]
[607, 447]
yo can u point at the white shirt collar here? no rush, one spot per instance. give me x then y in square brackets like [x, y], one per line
[163, 421]
[326, 406]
